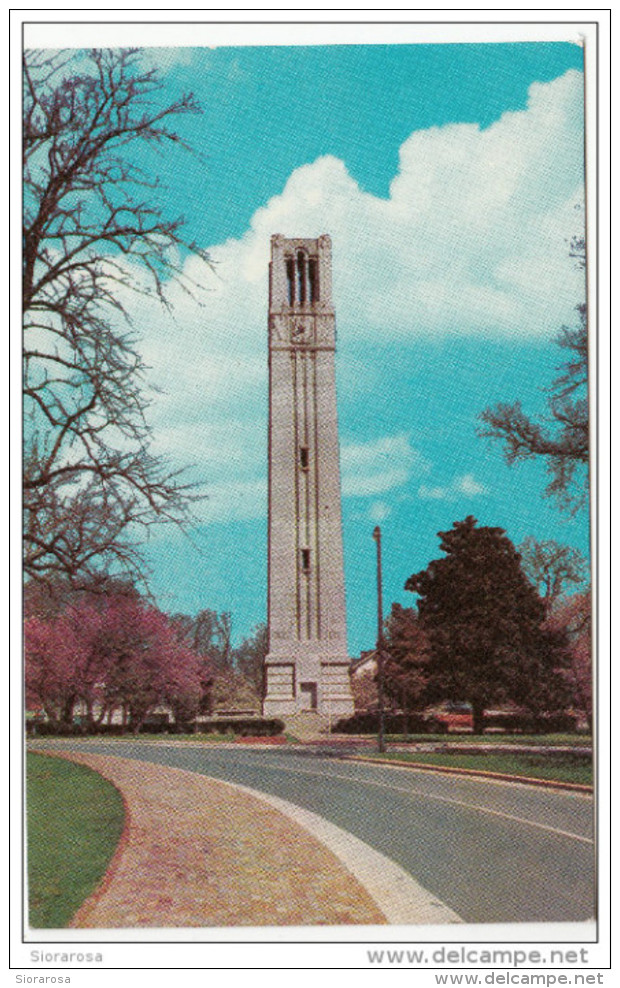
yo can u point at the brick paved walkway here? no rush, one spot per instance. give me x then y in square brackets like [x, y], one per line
[196, 852]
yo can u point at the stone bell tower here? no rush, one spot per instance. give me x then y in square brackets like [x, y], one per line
[307, 666]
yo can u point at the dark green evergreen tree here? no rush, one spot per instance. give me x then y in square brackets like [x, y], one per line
[485, 625]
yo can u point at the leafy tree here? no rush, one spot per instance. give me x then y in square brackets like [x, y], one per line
[484, 622]
[406, 664]
[50, 660]
[562, 440]
[364, 690]
[93, 233]
[110, 652]
[550, 566]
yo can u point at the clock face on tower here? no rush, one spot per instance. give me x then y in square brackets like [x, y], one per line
[301, 331]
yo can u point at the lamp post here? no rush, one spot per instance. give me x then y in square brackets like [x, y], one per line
[381, 737]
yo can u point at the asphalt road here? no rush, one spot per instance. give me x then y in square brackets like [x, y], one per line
[493, 852]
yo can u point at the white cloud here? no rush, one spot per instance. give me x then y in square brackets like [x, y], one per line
[465, 485]
[378, 466]
[163, 58]
[379, 511]
[433, 493]
[472, 239]
[468, 485]
[234, 500]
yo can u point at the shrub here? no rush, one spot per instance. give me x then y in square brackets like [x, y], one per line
[47, 728]
[519, 722]
[368, 723]
[242, 726]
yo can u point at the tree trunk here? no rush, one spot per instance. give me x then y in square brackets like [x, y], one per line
[53, 715]
[478, 717]
[406, 720]
[137, 718]
[67, 711]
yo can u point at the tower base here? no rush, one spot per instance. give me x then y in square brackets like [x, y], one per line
[319, 688]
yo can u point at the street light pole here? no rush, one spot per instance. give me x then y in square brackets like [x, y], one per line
[381, 738]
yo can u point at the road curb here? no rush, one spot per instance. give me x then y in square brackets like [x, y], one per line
[399, 896]
[473, 773]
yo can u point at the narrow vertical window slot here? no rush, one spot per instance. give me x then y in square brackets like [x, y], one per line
[304, 457]
[305, 560]
[313, 280]
[301, 277]
[290, 277]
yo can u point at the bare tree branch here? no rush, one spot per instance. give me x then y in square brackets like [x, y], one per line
[92, 486]
[563, 439]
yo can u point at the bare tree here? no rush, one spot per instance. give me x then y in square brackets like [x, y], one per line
[93, 232]
[550, 566]
[249, 657]
[209, 634]
[562, 440]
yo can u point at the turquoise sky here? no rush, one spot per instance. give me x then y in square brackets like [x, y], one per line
[268, 110]
[450, 179]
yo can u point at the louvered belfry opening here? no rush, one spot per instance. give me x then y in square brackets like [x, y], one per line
[302, 279]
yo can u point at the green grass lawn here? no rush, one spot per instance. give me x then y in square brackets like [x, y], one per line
[561, 767]
[74, 821]
[546, 740]
[165, 737]
[197, 738]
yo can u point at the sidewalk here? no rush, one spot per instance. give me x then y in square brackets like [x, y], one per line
[196, 852]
